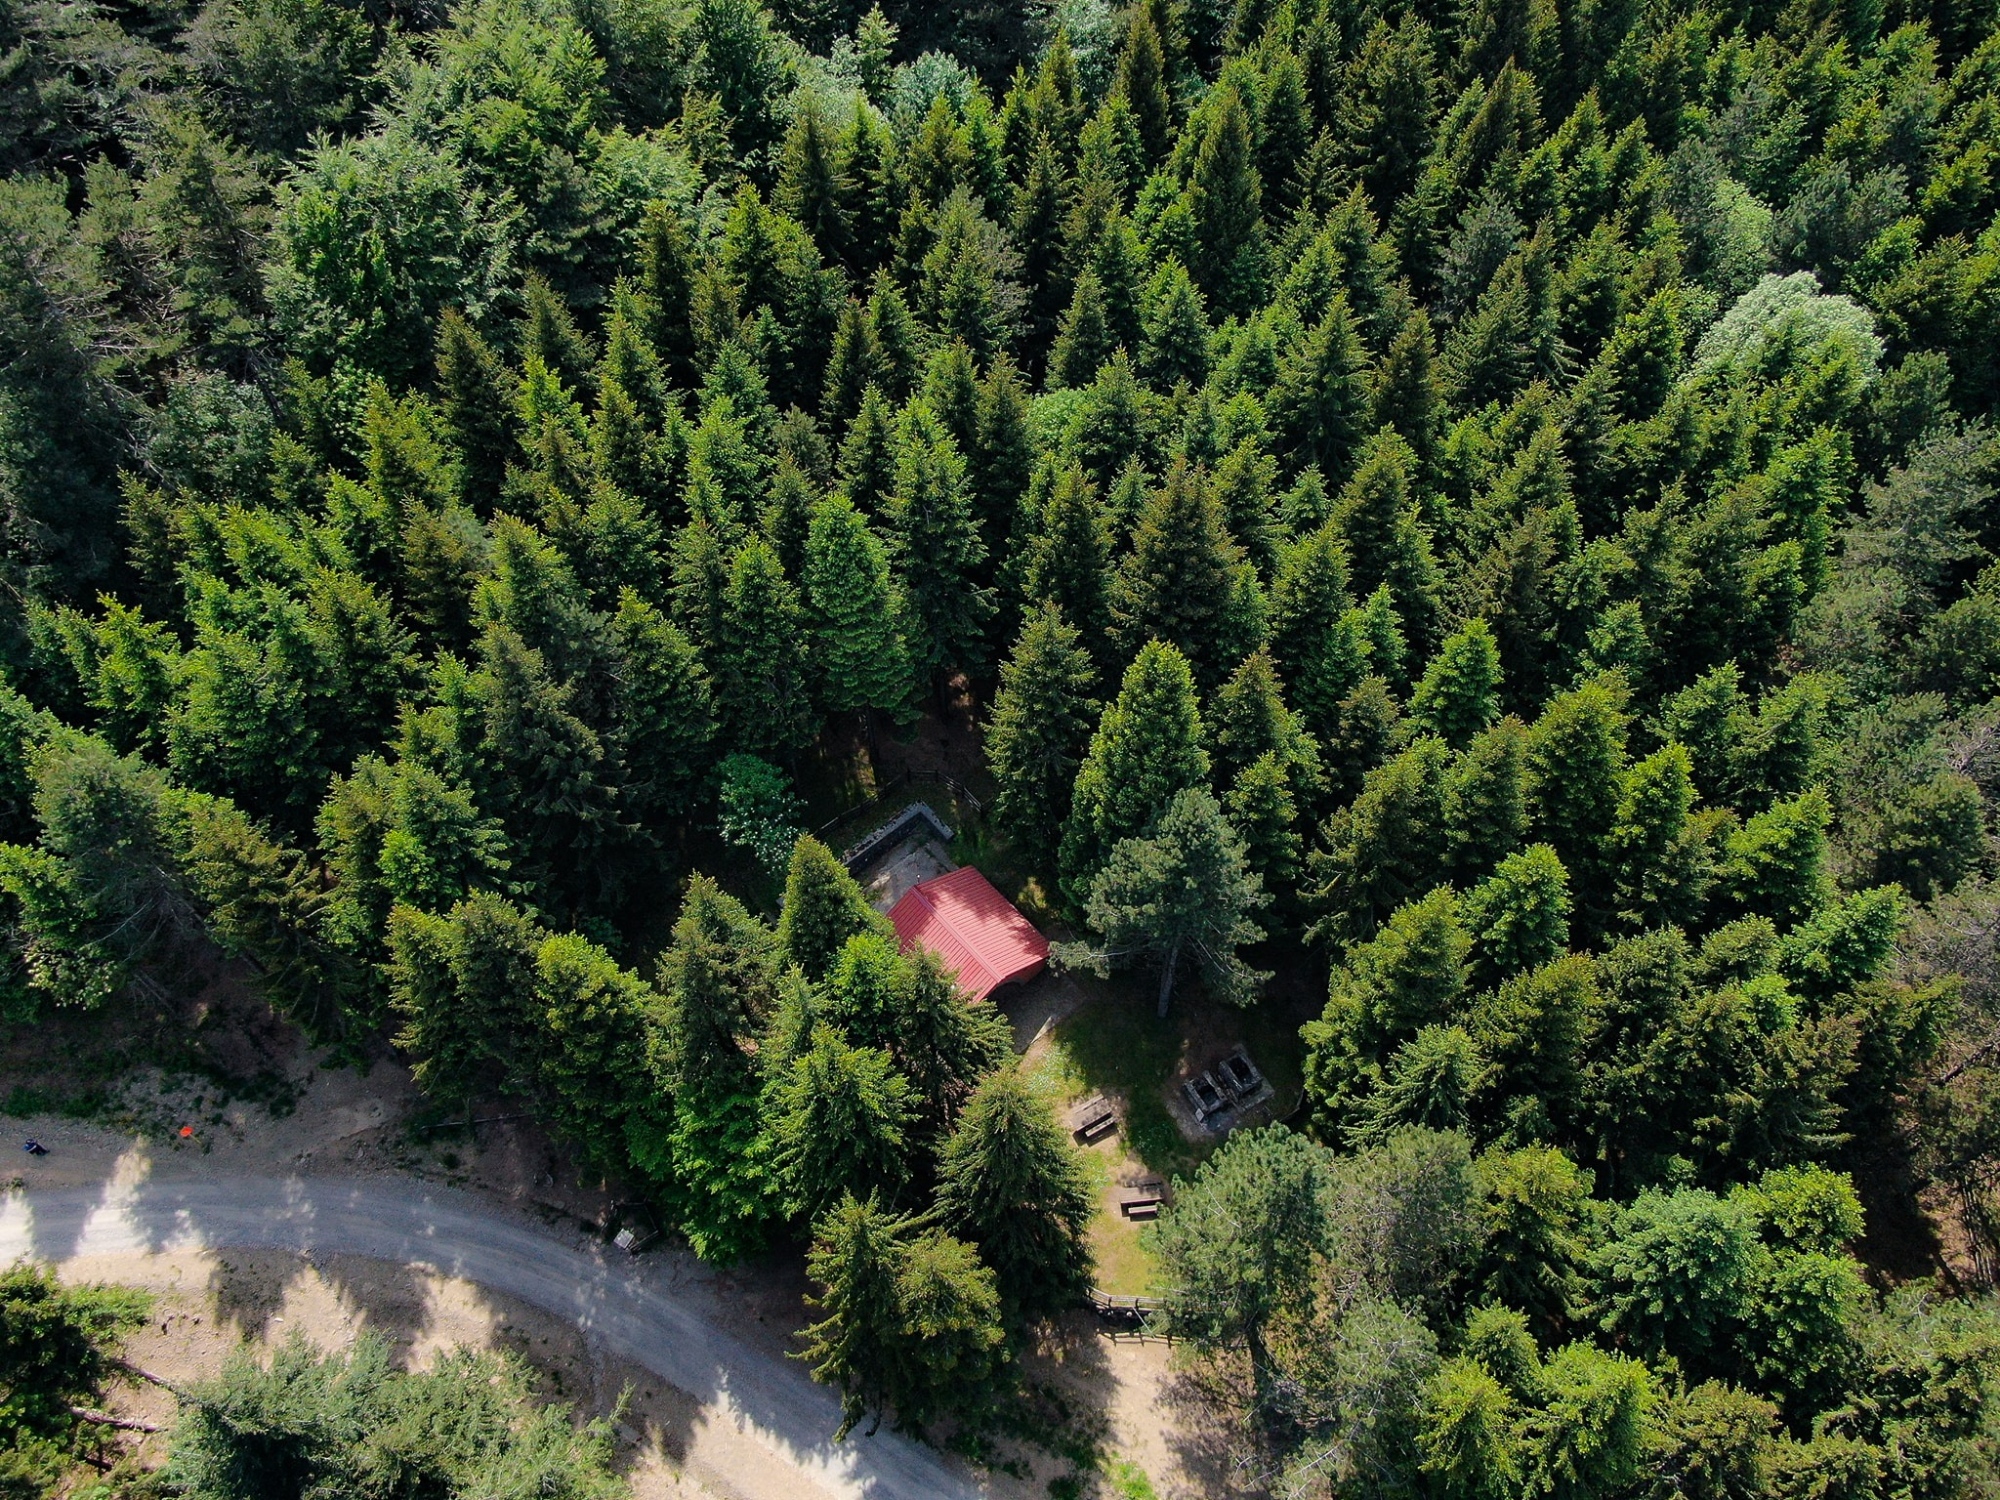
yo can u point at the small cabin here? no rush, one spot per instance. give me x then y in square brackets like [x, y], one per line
[978, 932]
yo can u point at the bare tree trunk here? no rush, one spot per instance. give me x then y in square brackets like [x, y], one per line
[1167, 978]
[105, 1419]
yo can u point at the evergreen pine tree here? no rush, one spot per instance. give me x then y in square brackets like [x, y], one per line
[1249, 720]
[1179, 584]
[1175, 343]
[823, 908]
[857, 654]
[868, 454]
[1083, 341]
[840, 1126]
[1147, 748]
[1040, 727]
[1658, 877]
[1183, 891]
[1010, 1181]
[476, 400]
[760, 685]
[937, 549]
[1321, 401]
[1226, 200]
[1459, 694]
[1068, 561]
[1486, 799]
[1041, 204]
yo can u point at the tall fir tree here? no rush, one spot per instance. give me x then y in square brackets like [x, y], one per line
[476, 400]
[1040, 727]
[1147, 748]
[937, 549]
[760, 682]
[858, 656]
[1181, 582]
[1226, 201]
[1011, 1182]
[823, 908]
[1068, 561]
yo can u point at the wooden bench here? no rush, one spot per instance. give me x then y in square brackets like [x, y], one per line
[1142, 1199]
[1093, 1119]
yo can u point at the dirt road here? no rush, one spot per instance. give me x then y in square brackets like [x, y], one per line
[627, 1306]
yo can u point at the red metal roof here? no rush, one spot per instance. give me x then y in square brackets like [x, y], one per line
[976, 931]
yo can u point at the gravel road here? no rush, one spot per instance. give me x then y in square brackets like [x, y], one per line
[625, 1305]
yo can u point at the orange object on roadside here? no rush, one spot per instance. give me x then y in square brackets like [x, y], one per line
[186, 1131]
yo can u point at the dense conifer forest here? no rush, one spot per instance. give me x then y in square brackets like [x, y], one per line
[1486, 510]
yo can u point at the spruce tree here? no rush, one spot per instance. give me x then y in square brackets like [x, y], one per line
[1249, 720]
[944, 1043]
[1176, 338]
[1243, 483]
[868, 454]
[951, 391]
[1041, 203]
[1405, 395]
[840, 1125]
[856, 364]
[1068, 561]
[1147, 748]
[476, 400]
[1119, 262]
[895, 336]
[666, 276]
[549, 335]
[1486, 799]
[1005, 458]
[760, 682]
[856, 1254]
[1320, 405]
[1010, 1181]
[1142, 84]
[823, 908]
[1039, 730]
[858, 656]
[809, 186]
[954, 1343]
[1312, 643]
[1658, 877]
[666, 713]
[1387, 545]
[1226, 200]
[1575, 751]
[937, 549]
[1083, 340]
[1518, 916]
[1265, 814]
[1179, 584]
[1459, 694]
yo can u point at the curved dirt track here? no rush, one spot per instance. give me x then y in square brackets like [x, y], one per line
[622, 1304]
